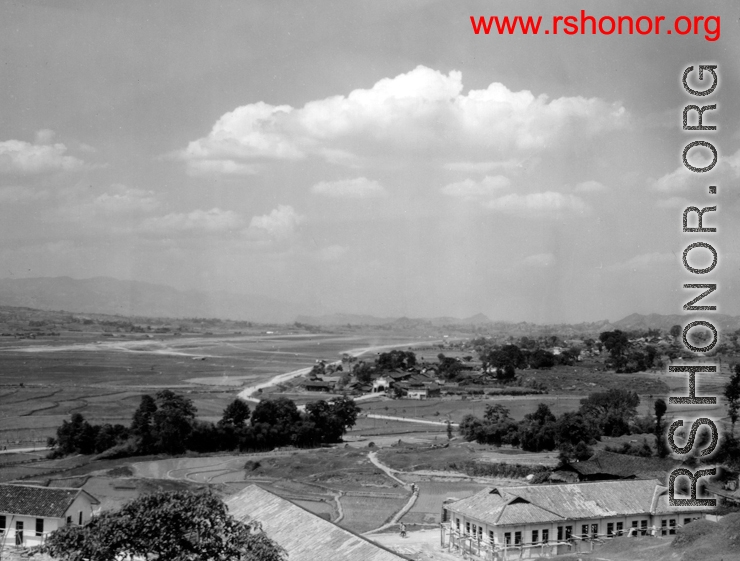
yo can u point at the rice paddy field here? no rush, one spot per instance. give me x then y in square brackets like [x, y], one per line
[45, 380]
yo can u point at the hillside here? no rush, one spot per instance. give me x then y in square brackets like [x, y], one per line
[104, 295]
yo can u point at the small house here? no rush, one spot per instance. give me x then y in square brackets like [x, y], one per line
[29, 513]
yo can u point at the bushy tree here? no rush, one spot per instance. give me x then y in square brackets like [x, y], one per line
[166, 526]
[173, 422]
[732, 395]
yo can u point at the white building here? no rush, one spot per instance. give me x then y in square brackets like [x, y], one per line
[541, 520]
[29, 513]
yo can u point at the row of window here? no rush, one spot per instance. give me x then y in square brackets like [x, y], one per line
[566, 532]
[19, 525]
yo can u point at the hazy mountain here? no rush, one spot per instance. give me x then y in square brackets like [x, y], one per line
[104, 295]
[635, 322]
[359, 319]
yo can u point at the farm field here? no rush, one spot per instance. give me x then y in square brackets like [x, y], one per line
[46, 380]
[428, 507]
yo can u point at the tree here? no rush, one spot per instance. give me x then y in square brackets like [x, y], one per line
[166, 526]
[617, 344]
[660, 410]
[675, 331]
[173, 422]
[142, 424]
[612, 410]
[732, 395]
[236, 414]
[449, 430]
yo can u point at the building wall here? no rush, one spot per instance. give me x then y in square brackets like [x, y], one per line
[478, 537]
[28, 536]
[80, 512]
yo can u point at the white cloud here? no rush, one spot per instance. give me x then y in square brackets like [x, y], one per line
[548, 203]
[472, 190]
[359, 188]
[644, 262]
[17, 156]
[17, 194]
[590, 187]
[122, 199]
[422, 112]
[331, 253]
[483, 167]
[44, 136]
[223, 167]
[280, 223]
[682, 179]
[539, 260]
[214, 221]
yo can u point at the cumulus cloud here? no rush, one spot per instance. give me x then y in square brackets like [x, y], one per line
[20, 157]
[422, 112]
[223, 167]
[122, 199]
[590, 187]
[359, 188]
[548, 203]
[476, 190]
[643, 262]
[331, 253]
[18, 194]
[539, 260]
[214, 221]
[483, 167]
[280, 223]
[682, 180]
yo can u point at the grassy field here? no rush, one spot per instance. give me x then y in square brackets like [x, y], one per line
[46, 380]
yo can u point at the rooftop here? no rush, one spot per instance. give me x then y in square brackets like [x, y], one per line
[42, 502]
[553, 503]
[303, 535]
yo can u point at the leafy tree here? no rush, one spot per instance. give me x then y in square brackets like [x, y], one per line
[675, 331]
[617, 344]
[449, 368]
[142, 424]
[363, 372]
[396, 359]
[583, 451]
[541, 359]
[732, 395]
[166, 526]
[538, 430]
[236, 414]
[572, 427]
[660, 410]
[173, 421]
[612, 410]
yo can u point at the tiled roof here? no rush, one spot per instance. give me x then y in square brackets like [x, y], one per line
[42, 502]
[549, 503]
[303, 535]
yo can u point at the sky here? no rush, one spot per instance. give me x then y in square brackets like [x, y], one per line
[367, 157]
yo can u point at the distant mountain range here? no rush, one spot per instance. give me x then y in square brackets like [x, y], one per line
[105, 295]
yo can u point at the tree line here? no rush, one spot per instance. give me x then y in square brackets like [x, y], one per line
[609, 413]
[167, 424]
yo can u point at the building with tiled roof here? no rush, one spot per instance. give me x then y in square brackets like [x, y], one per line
[28, 513]
[304, 535]
[541, 520]
[605, 465]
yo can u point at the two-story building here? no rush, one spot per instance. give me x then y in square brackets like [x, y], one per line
[540, 520]
[28, 513]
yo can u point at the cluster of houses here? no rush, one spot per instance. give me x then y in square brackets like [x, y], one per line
[416, 382]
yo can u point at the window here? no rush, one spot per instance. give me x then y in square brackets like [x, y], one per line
[686, 521]
[69, 520]
[80, 522]
[2, 523]
[672, 524]
[490, 537]
[545, 536]
[475, 529]
[560, 533]
[457, 524]
[633, 532]
[584, 531]
[535, 536]
[467, 527]
[643, 526]
[663, 527]
[507, 538]
[517, 538]
[610, 529]
[480, 533]
[620, 528]
[39, 526]
[594, 531]
[568, 532]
